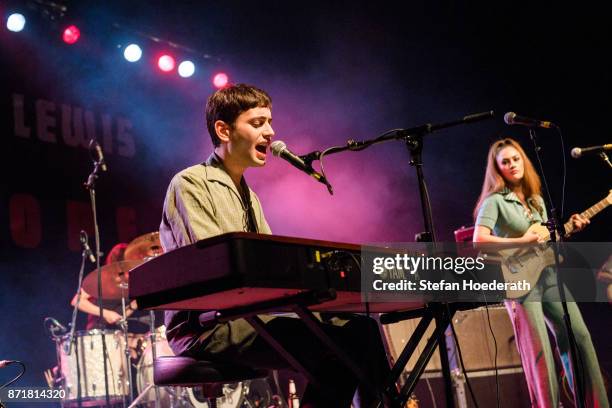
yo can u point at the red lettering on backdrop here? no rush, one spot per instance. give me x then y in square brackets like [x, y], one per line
[78, 216]
[126, 224]
[24, 218]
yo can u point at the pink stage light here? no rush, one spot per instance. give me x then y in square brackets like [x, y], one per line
[220, 80]
[166, 63]
[71, 34]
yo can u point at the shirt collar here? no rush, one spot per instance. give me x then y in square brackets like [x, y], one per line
[216, 171]
[509, 195]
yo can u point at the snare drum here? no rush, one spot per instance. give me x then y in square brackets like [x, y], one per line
[86, 351]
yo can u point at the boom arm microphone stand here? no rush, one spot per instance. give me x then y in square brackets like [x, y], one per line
[90, 185]
[554, 226]
[413, 138]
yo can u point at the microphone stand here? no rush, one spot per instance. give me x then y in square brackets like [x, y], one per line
[413, 138]
[555, 227]
[90, 186]
[71, 338]
[124, 328]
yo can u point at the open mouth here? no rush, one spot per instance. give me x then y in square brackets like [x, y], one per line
[262, 148]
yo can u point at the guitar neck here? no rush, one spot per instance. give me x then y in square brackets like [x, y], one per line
[588, 214]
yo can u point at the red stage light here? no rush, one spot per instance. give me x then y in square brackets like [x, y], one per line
[71, 34]
[166, 63]
[220, 80]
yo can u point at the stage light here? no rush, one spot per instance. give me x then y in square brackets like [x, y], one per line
[15, 22]
[71, 34]
[186, 69]
[132, 52]
[166, 63]
[220, 80]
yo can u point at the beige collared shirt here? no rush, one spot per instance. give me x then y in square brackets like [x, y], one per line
[202, 201]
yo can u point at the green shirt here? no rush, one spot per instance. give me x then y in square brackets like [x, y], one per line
[202, 201]
[504, 214]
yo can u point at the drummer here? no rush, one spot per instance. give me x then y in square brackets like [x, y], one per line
[111, 308]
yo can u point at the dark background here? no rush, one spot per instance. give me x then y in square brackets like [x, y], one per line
[336, 71]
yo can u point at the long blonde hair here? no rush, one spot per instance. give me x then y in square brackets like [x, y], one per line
[494, 181]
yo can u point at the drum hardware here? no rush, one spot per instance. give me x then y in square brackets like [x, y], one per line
[124, 327]
[110, 282]
[151, 395]
[154, 350]
[71, 336]
[139, 250]
[234, 395]
[114, 284]
[89, 385]
[113, 280]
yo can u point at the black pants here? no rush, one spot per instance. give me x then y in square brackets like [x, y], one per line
[238, 342]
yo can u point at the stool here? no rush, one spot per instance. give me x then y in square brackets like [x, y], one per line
[189, 372]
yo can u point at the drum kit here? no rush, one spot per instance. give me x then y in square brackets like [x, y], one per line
[80, 355]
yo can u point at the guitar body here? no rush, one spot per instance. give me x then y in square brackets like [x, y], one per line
[525, 264]
[541, 231]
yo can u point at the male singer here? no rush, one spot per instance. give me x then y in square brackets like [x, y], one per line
[213, 198]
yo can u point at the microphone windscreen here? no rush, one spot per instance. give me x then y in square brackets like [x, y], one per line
[277, 147]
[576, 152]
[509, 118]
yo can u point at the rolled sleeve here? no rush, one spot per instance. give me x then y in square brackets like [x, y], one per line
[488, 213]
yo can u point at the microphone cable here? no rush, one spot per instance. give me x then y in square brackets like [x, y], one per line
[23, 370]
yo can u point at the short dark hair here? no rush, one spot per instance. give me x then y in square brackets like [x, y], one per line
[228, 103]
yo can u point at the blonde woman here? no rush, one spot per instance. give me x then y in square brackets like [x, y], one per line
[510, 202]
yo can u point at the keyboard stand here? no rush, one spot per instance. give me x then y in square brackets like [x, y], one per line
[297, 304]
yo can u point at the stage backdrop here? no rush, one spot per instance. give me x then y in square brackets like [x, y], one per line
[335, 72]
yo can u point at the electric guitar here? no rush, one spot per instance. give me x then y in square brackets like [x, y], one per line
[526, 264]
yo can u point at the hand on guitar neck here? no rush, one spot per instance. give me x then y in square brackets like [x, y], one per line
[579, 222]
[576, 223]
[526, 264]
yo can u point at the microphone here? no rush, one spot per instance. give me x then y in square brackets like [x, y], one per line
[577, 152]
[57, 324]
[512, 118]
[99, 155]
[4, 363]
[279, 149]
[85, 245]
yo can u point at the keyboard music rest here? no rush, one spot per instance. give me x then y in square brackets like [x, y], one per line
[241, 268]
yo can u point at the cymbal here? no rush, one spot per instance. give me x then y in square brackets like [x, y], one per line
[143, 247]
[115, 277]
